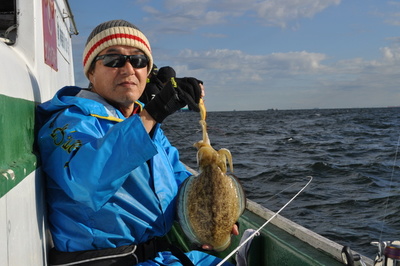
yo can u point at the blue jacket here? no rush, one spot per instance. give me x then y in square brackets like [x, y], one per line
[109, 184]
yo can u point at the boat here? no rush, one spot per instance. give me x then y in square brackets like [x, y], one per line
[36, 60]
[36, 53]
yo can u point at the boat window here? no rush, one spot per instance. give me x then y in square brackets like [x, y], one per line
[8, 21]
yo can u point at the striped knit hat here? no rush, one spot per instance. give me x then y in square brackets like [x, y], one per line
[114, 32]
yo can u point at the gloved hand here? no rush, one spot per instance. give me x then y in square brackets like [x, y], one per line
[176, 94]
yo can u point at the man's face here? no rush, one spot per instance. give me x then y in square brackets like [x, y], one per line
[119, 86]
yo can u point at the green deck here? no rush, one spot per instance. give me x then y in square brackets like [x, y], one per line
[273, 247]
[277, 247]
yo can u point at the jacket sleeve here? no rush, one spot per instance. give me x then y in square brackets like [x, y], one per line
[90, 158]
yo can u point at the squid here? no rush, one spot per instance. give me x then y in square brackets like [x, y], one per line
[210, 203]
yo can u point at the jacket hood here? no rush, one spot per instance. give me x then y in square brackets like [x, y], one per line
[88, 102]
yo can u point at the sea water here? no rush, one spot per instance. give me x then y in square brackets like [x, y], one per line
[352, 155]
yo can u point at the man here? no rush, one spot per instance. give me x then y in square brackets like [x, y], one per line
[112, 174]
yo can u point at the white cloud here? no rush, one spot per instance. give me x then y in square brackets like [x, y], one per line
[280, 12]
[226, 61]
[194, 14]
[291, 80]
[391, 53]
[391, 15]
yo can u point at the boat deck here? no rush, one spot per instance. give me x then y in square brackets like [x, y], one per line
[281, 242]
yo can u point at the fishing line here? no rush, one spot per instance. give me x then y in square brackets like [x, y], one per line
[390, 189]
[267, 222]
[183, 137]
[280, 192]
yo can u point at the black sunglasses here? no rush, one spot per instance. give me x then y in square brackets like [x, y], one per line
[119, 60]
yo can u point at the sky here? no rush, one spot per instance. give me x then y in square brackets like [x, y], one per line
[266, 54]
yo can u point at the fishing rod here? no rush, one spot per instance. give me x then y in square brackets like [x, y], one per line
[388, 251]
[390, 188]
[257, 232]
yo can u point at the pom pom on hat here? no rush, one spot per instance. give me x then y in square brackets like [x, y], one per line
[114, 32]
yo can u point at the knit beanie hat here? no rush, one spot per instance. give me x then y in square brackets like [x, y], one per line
[114, 32]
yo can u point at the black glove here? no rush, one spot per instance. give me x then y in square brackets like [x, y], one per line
[176, 94]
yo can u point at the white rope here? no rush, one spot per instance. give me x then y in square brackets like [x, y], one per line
[259, 229]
